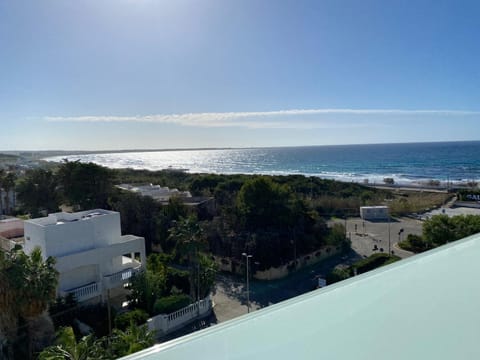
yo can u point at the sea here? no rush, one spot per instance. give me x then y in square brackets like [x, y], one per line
[408, 164]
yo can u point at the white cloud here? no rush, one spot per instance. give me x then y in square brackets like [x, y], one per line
[296, 118]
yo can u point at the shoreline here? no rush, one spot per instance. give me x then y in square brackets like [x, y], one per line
[442, 186]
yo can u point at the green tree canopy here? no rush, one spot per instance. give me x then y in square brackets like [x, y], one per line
[37, 191]
[440, 229]
[263, 203]
[85, 185]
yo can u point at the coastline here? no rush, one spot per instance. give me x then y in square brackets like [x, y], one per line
[438, 166]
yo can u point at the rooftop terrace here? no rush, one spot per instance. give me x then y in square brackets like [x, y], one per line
[425, 307]
[63, 217]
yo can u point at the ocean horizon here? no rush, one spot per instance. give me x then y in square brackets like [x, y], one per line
[406, 163]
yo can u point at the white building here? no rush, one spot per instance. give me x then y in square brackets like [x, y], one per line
[374, 212]
[157, 192]
[93, 258]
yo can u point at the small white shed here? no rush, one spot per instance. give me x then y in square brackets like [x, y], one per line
[374, 212]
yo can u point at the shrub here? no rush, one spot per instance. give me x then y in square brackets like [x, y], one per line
[172, 303]
[414, 243]
[338, 275]
[374, 261]
[137, 317]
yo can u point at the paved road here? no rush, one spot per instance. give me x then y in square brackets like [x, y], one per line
[230, 296]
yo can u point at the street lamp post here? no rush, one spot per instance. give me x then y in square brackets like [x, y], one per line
[389, 241]
[248, 281]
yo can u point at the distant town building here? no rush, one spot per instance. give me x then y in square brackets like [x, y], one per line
[157, 192]
[93, 258]
[205, 206]
[374, 212]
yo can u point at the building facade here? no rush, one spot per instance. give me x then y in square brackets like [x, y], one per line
[93, 259]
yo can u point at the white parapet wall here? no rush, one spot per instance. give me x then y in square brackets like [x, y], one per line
[166, 323]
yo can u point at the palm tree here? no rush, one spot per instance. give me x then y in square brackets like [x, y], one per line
[133, 339]
[187, 235]
[121, 343]
[27, 286]
[68, 348]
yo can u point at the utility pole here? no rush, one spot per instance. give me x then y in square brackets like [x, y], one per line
[248, 281]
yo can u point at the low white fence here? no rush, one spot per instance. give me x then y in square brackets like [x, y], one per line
[166, 323]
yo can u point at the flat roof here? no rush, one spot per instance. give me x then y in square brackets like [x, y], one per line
[423, 307]
[64, 217]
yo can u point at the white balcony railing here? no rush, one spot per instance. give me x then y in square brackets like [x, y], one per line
[120, 277]
[83, 293]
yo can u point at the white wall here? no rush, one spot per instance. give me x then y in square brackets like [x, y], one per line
[34, 236]
[78, 277]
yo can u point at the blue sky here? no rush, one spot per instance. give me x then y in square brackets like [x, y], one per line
[126, 74]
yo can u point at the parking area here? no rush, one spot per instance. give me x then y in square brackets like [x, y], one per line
[369, 237]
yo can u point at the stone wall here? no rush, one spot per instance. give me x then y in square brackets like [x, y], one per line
[236, 267]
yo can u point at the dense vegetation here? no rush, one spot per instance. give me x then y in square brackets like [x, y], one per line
[272, 217]
[259, 214]
[441, 229]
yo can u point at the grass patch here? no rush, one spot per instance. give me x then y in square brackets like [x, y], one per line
[408, 202]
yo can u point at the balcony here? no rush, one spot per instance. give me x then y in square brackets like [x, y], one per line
[121, 277]
[83, 293]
